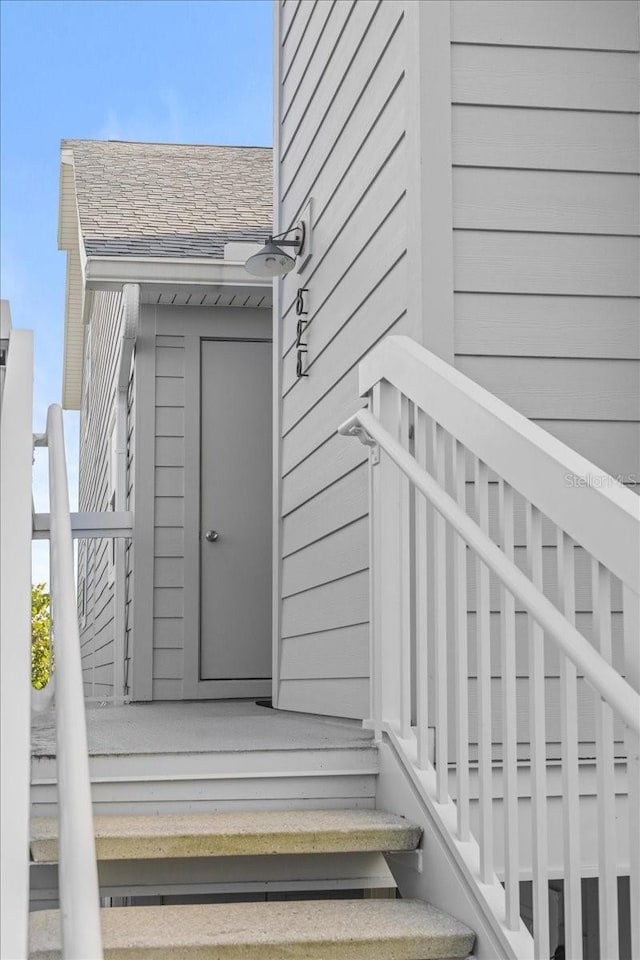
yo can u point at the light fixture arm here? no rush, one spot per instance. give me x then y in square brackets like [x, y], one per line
[272, 261]
[298, 242]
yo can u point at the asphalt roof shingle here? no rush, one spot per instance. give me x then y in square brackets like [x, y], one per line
[170, 200]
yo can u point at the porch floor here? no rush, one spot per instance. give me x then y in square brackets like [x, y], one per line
[211, 726]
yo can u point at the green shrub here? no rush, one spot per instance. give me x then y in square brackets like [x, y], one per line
[41, 648]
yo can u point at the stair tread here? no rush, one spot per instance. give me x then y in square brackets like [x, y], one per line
[313, 929]
[236, 833]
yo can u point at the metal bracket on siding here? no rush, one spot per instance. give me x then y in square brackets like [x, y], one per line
[353, 428]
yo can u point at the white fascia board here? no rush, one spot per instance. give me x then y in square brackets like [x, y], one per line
[70, 239]
[105, 273]
[110, 273]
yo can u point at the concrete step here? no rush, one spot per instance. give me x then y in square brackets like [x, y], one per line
[232, 834]
[309, 930]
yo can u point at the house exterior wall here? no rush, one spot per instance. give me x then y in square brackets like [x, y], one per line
[96, 583]
[546, 214]
[546, 210]
[163, 624]
[341, 140]
[129, 543]
[493, 217]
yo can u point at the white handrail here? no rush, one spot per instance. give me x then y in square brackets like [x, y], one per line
[427, 423]
[601, 675]
[78, 874]
[16, 455]
[564, 485]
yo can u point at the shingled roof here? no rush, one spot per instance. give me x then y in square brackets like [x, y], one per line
[168, 199]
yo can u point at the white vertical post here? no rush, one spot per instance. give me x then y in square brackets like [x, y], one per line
[439, 567]
[16, 453]
[538, 746]
[509, 716]
[404, 599]
[631, 621]
[569, 735]
[390, 565]
[422, 574]
[460, 617]
[483, 646]
[605, 774]
[375, 558]
[78, 873]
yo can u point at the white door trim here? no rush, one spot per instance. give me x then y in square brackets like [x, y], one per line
[193, 687]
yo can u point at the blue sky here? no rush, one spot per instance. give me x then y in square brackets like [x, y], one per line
[182, 71]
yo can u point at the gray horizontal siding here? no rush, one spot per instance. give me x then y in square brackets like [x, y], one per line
[97, 629]
[169, 494]
[341, 132]
[544, 139]
[546, 215]
[596, 25]
[544, 325]
[545, 245]
[560, 79]
[348, 697]
[174, 621]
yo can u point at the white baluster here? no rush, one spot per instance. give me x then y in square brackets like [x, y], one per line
[483, 644]
[631, 620]
[461, 657]
[390, 566]
[375, 567]
[422, 639]
[537, 729]
[509, 717]
[440, 625]
[605, 767]
[569, 735]
[404, 520]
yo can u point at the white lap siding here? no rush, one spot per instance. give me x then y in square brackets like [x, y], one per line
[544, 214]
[546, 211]
[102, 347]
[168, 583]
[341, 130]
[546, 256]
[165, 616]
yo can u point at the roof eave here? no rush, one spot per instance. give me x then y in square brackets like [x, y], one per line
[108, 273]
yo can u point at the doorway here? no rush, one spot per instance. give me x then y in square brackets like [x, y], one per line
[235, 517]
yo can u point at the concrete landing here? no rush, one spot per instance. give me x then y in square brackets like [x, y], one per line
[224, 726]
[240, 833]
[312, 929]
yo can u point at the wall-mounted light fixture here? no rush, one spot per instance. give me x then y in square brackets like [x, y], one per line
[271, 261]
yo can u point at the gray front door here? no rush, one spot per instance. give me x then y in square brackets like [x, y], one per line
[235, 512]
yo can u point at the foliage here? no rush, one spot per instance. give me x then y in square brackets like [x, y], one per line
[41, 647]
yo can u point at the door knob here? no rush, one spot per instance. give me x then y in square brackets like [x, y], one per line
[211, 536]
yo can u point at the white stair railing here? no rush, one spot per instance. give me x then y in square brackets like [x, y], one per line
[485, 526]
[78, 874]
[16, 456]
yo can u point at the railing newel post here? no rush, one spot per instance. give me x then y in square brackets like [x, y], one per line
[390, 553]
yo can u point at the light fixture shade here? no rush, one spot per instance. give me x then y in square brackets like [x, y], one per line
[271, 261]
